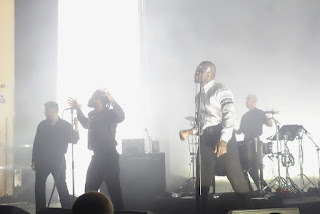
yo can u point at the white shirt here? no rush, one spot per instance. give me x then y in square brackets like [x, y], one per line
[216, 107]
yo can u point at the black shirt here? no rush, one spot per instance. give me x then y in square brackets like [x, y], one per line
[102, 128]
[252, 122]
[51, 142]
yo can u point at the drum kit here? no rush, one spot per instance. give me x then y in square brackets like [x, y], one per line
[281, 138]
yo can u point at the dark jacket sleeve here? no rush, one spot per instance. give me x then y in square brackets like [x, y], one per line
[75, 137]
[82, 119]
[35, 148]
[118, 114]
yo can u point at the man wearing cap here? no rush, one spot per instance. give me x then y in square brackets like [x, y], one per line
[216, 115]
[49, 147]
[102, 123]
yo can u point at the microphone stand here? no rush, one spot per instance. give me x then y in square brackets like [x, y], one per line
[72, 156]
[318, 149]
[150, 141]
[198, 124]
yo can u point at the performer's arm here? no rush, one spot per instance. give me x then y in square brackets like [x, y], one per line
[81, 117]
[228, 116]
[239, 131]
[118, 114]
[269, 122]
[35, 149]
[265, 120]
[185, 133]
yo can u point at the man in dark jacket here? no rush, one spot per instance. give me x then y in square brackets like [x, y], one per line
[102, 124]
[49, 147]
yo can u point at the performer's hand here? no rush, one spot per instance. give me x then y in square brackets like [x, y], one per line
[33, 166]
[107, 93]
[73, 102]
[184, 134]
[221, 148]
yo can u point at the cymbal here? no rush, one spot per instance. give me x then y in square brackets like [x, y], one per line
[189, 118]
[271, 112]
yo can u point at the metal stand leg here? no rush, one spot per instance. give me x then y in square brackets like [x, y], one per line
[184, 189]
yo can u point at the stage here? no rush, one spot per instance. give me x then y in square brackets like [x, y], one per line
[221, 204]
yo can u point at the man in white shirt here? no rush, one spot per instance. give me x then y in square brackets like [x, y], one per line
[216, 116]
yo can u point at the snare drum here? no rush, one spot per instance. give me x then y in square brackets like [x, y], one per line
[267, 148]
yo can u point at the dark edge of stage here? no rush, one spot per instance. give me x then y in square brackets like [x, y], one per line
[309, 204]
[221, 204]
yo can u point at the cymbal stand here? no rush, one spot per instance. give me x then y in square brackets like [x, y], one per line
[287, 161]
[197, 123]
[185, 189]
[193, 152]
[279, 152]
[280, 180]
[302, 176]
[318, 149]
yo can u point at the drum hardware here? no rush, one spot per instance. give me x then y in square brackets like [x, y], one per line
[278, 180]
[267, 148]
[271, 112]
[188, 188]
[302, 176]
[292, 132]
[317, 149]
[288, 160]
[286, 134]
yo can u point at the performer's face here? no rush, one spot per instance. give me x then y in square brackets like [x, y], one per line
[250, 102]
[92, 103]
[198, 75]
[95, 103]
[49, 113]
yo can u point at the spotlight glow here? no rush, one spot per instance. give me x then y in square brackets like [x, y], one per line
[98, 47]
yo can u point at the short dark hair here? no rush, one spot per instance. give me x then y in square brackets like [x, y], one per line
[207, 66]
[52, 105]
[93, 202]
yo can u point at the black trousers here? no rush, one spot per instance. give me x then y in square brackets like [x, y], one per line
[58, 170]
[105, 168]
[229, 161]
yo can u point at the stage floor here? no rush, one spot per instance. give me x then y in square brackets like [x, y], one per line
[221, 205]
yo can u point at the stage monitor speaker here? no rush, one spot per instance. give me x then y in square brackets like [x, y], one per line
[55, 211]
[142, 179]
[11, 210]
[130, 212]
[267, 211]
[69, 211]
